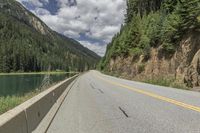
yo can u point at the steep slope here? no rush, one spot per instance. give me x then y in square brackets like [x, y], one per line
[160, 40]
[28, 44]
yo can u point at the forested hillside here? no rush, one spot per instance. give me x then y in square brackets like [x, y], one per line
[27, 44]
[160, 38]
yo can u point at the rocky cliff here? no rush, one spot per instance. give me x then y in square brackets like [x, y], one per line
[161, 41]
[183, 65]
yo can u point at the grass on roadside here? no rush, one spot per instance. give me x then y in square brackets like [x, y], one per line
[159, 81]
[162, 81]
[168, 82]
[9, 102]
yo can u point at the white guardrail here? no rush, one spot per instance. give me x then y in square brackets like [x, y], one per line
[26, 117]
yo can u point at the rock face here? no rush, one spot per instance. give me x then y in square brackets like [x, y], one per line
[38, 25]
[16, 10]
[183, 65]
[192, 76]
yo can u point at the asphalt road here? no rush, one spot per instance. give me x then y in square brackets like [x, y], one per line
[98, 103]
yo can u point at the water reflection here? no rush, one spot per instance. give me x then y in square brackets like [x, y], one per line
[21, 84]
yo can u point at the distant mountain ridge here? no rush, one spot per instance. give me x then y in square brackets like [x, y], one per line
[28, 44]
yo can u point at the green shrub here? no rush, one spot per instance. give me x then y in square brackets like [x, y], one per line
[9, 102]
[159, 81]
[136, 51]
[168, 48]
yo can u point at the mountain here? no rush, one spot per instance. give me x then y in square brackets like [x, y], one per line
[28, 44]
[159, 42]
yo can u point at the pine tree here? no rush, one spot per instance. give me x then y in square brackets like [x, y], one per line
[189, 11]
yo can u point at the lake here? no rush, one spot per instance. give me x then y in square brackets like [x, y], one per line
[22, 84]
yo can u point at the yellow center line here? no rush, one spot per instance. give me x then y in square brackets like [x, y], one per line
[162, 98]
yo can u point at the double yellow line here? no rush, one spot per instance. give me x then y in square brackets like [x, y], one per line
[162, 98]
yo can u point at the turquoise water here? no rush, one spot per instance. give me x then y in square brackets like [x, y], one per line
[22, 84]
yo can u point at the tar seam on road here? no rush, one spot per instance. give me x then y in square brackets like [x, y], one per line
[123, 112]
[92, 86]
[60, 106]
[95, 88]
[153, 95]
[101, 91]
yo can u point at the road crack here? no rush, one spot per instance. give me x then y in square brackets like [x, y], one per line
[124, 112]
[101, 91]
[92, 86]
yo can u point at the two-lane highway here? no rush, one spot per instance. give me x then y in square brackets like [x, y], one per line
[98, 103]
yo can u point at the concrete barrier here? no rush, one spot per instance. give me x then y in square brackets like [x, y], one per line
[13, 122]
[27, 116]
[37, 111]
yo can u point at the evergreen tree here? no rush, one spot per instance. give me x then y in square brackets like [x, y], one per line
[154, 23]
[189, 11]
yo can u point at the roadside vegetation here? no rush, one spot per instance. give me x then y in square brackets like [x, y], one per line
[153, 23]
[168, 82]
[9, 102]
[161, 81]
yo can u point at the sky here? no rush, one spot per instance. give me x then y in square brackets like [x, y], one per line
[91, 22]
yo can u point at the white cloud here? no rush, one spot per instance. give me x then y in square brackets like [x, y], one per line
[96, 47]
[104, 33]
[97, 19]
[36, 3]
[71, 34]
[41, 11]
